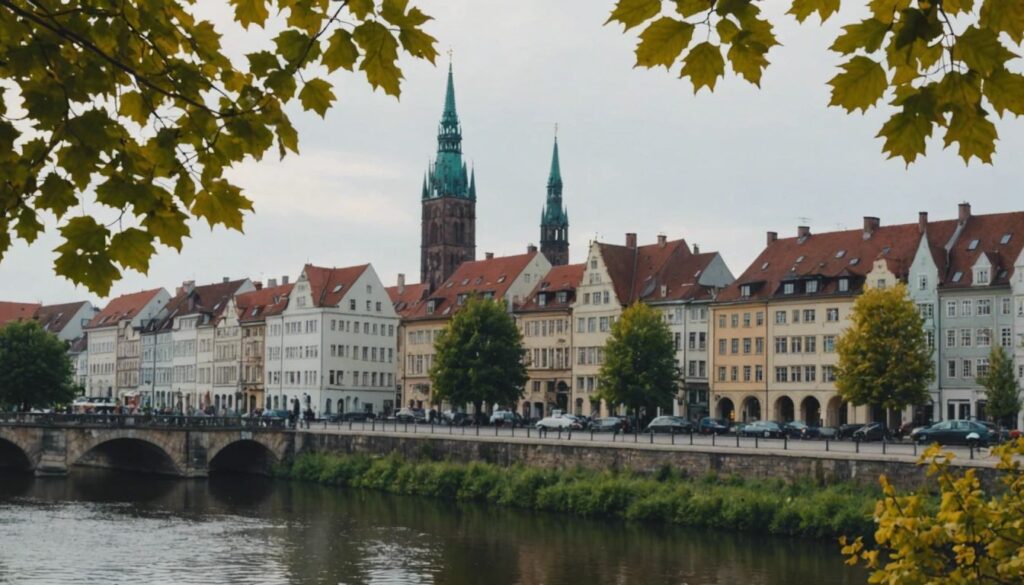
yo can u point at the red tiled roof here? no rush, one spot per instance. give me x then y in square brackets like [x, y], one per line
[827, 256]
[493, 276]
[634, 271]
[207, 299]
[406, 302]
[681, 278]
[329, 285]
[986, 233]
[559, 279]
[123, 307]
[259, 304]
[10, 312]
[54, 318]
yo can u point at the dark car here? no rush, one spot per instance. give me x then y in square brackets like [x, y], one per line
[763, 428]
[846, 431]
[350, 417]
[608, 424]
[670, 424]
[800, 430]
[875, 431]
[712, 426]
[955, 432]
[411, 415]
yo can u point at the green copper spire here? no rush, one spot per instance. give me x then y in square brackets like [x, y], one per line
[554, 213]
[448, 176]
[555, 176]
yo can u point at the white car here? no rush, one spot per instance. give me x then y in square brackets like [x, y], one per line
[553, 423]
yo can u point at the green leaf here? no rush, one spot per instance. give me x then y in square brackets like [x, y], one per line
[134, 107]
[380, 53]
[316, 95]
[292, 45]
[726, 29]
[886, 10]
[905, 134]
[690, 7]
[361, 8]
[867, 34]
[83, 257]
[960, 90]
[703, 65]
[662, 42]
[974, 132]
[801, 9]
[222, 203]
[981, 50]
[957, 6]
[1004, 16]
[634, 12]
[748, 60]
[249, 12]
[341, 51]
[168, 225]
[418, 43]
[132, 248]
[860, 86]
[1005, 91]
[56, 194]
[28, 226]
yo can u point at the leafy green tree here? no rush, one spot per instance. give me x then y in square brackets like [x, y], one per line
[35, 370]
[479, 357]
[941, 65]
[1001, 392]
[134, 107]
[884, 359]
[970, 535]
[639, 362]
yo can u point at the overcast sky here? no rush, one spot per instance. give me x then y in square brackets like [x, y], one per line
[639, 153]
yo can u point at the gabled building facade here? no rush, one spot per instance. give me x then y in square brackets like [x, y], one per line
[112, 345]
[252, 309]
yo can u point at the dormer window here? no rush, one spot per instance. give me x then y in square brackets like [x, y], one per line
[431, 306]
[501, 279]
[745, 290]
[764, 266]
[1005, 239]
[788, 288]
[664, 290]
[885, 251]
[844, 284]
[812, 286]
[561, 297]
[973, 245]
[958, 276]
[337, 289]
[981, 276]
[465, 281]
[799, 259]
[840, 253]
[460, 299]
[542, 300]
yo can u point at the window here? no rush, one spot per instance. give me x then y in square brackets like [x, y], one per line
[966, 368]
[721, 321]
[984, 337]
[758, 373]
[759, 345]
[581, 325]
[745, 290]
[981, 276]
[951, 338]
[828, 344]
[973, 245]
[1006, 337]
[796, 315]
[780, 317]
[828, 373]
[951, 368]
[734, 374]
[787, 288]
[966, 308]
[844, 284]
[734, 319]
[840, 253]
[1005, 239]
[929, 338]
[811, 286]
[795, 374]
[746, 319]
[982, 369]
[759, 319]
[832, 315]
[746, 345]
[796, 345]
[809, 315]
[922, 282]
[606, 297]
[586, 298]
[965, 338]
[811, 344]
[721, 373]
[926, 310]
[781, 374]
[984, 307]
[604, 325]
[735, 345]
[781, 345]
[746, 373]
[951, 308]
[958, 276]
[1005, 305]
[693, 340]
[810, 373]
[721, 346]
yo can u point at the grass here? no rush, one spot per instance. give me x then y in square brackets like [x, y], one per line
[728, 503]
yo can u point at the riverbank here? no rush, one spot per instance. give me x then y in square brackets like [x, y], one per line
[715, 502]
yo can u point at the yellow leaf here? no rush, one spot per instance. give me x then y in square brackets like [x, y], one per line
[860, 86]
[662, 42]
[633, 12]
[703, 65]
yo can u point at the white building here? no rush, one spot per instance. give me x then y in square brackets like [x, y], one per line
[333, 347]
[131, 311]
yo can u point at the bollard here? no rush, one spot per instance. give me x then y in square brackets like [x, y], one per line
[495, 430]
[652, 437]
[591, 435]
[691, 438]
[478, 429]
[757, 441]
[451, 428]
[826, 445]
[568, 436]
[713, 437]
[785, 442]
[636, 437]
[559, 432]
[513, 430]
[673, 437]
[737, 439]
[350, 425]
[857, 445]
[527, 431]
[373, 425]
[414, 425]
[915, 448]
[883, 445]
[971, 447]
[407, 427]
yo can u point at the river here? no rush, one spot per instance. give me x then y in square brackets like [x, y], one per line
[106, 527]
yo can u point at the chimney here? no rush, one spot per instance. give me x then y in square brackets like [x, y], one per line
[922, 221]
[187, 287]
[803, 231]
[284, 279]
[226, 280]
[258, 284]
[271, 282]
[490, 255]
[965, 212]
[401, 283]
[662, 240]
[631, 240]
[870, 226]
[530, 249]
[696, 249]
[772, 236]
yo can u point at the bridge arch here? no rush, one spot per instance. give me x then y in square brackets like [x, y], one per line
[14, 456]
[243, 456]
[126, 453]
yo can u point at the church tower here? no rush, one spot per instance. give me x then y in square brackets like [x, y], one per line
[554, 219]
[449, 202]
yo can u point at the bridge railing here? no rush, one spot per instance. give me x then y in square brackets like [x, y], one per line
[139, 421]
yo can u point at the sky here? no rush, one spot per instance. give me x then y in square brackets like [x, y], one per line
[639, 153]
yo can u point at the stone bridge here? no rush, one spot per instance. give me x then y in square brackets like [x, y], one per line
[181, 447]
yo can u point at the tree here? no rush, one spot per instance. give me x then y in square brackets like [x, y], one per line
[940, 64]
[36, 370]
[884, 359]
[639, 362]
[968, 535]
[479, 357]
[1001, 393]
[136, 105]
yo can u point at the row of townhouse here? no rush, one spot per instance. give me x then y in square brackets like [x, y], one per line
[774, 330]
[67, 321]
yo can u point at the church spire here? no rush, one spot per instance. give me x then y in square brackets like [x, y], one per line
[555, 176]
[448, 176]
[450, 116]
[554, 220]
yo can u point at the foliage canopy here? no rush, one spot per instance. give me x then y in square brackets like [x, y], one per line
[479, 357]
[639, 361]
[36, 370]
[941, 65]
[884, 359]
[1003, 397]
[136, 105]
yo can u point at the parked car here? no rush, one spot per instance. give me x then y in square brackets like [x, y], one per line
[846, 431]
[763, 428]
[828, 433]
[800, 430]
[456, 419]
[353, 416]
[553, 423]
[411, 415]
[670, 424]
[608, 424]
[712, 426]
[999, 435]
[955, 432]
[874, 431]
[505, 417]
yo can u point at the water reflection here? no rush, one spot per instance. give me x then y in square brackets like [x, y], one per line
[107, 527]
